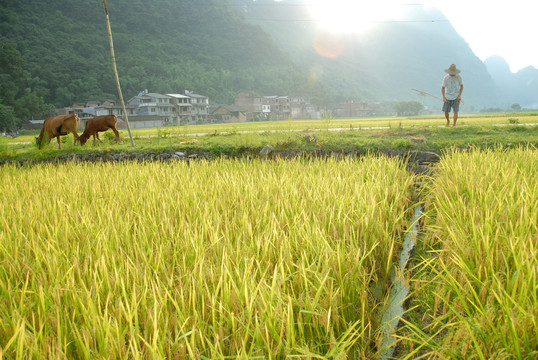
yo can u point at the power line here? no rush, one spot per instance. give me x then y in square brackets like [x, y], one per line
[281, 4]
[373, 21]
[275, 4]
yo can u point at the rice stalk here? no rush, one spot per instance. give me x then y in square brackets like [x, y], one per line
[481, 271]
[217, 259]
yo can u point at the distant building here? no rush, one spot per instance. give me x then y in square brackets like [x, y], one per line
[91, 109]
[303, 109]
[275, 107]
[228, 114]
[182, 108]
[251, 103]
[147, 109]
[156, 110]
[279, 107]
[151, 110]
[353, 109]
[199, 108]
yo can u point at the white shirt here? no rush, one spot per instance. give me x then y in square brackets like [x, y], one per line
[452, 86]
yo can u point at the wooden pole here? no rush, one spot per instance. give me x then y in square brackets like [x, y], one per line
[424, 93]
[116, 73]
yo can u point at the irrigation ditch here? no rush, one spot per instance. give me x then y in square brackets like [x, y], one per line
[419, 162]
[395, 306]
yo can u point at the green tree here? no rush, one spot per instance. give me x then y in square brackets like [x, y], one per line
[65, 95]
[408, 108]
[516, 107]
[31, 106]
[21, 95]
[8, 121]
[11, 70]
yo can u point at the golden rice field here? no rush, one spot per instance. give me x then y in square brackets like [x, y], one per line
[222, 259]
[477, 287]
[268, 259]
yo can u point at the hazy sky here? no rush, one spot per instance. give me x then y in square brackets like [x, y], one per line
[507, 28]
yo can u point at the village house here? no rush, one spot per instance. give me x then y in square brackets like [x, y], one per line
[353, 109]
[183, 109]
[199, 109]
[151, 110]
[279, 107]
[251, 103]
[147, 110]
[303, 109]
[275, 107]
[91, 109]
[228, 114]
[263, 107]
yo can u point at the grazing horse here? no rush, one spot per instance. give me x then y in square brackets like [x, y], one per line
[99, 124]
[57, 126]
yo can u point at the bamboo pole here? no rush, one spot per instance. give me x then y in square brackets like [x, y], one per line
[424, 93]
[116, 73]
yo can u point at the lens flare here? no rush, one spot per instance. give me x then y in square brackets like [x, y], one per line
[328, 45]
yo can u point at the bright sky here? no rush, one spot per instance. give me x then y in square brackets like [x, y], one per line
[506, 28]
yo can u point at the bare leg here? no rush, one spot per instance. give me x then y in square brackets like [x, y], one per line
[455, 118]
[76, 138]
[117, 134]
[447, 116]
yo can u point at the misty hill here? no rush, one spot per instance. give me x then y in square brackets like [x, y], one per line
[384, 63]
[165, 46]
[218, 47]
[521, 87]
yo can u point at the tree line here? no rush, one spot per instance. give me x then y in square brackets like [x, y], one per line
[21, 97]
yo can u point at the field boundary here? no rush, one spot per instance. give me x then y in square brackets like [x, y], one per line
[418, 161]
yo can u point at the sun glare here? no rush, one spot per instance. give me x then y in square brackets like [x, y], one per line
[353, 16]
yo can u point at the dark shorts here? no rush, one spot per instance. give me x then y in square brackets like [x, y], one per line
[451, 104]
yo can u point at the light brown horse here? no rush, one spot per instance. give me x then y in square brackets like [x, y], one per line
[99, 124]
[57, 126]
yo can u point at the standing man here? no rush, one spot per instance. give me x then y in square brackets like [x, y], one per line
[451, 90]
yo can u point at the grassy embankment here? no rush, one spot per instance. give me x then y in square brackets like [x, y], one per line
[426, 134]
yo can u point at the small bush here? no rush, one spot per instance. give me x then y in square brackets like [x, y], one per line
[401, 144]
[5, 151]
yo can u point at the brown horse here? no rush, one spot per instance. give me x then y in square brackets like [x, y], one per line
[57, 126]
[99, 124]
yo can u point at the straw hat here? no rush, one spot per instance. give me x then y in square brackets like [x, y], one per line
[452, 70]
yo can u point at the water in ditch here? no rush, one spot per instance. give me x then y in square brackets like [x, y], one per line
[400, 289]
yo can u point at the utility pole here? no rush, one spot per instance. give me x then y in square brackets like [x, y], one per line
[116, 73]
